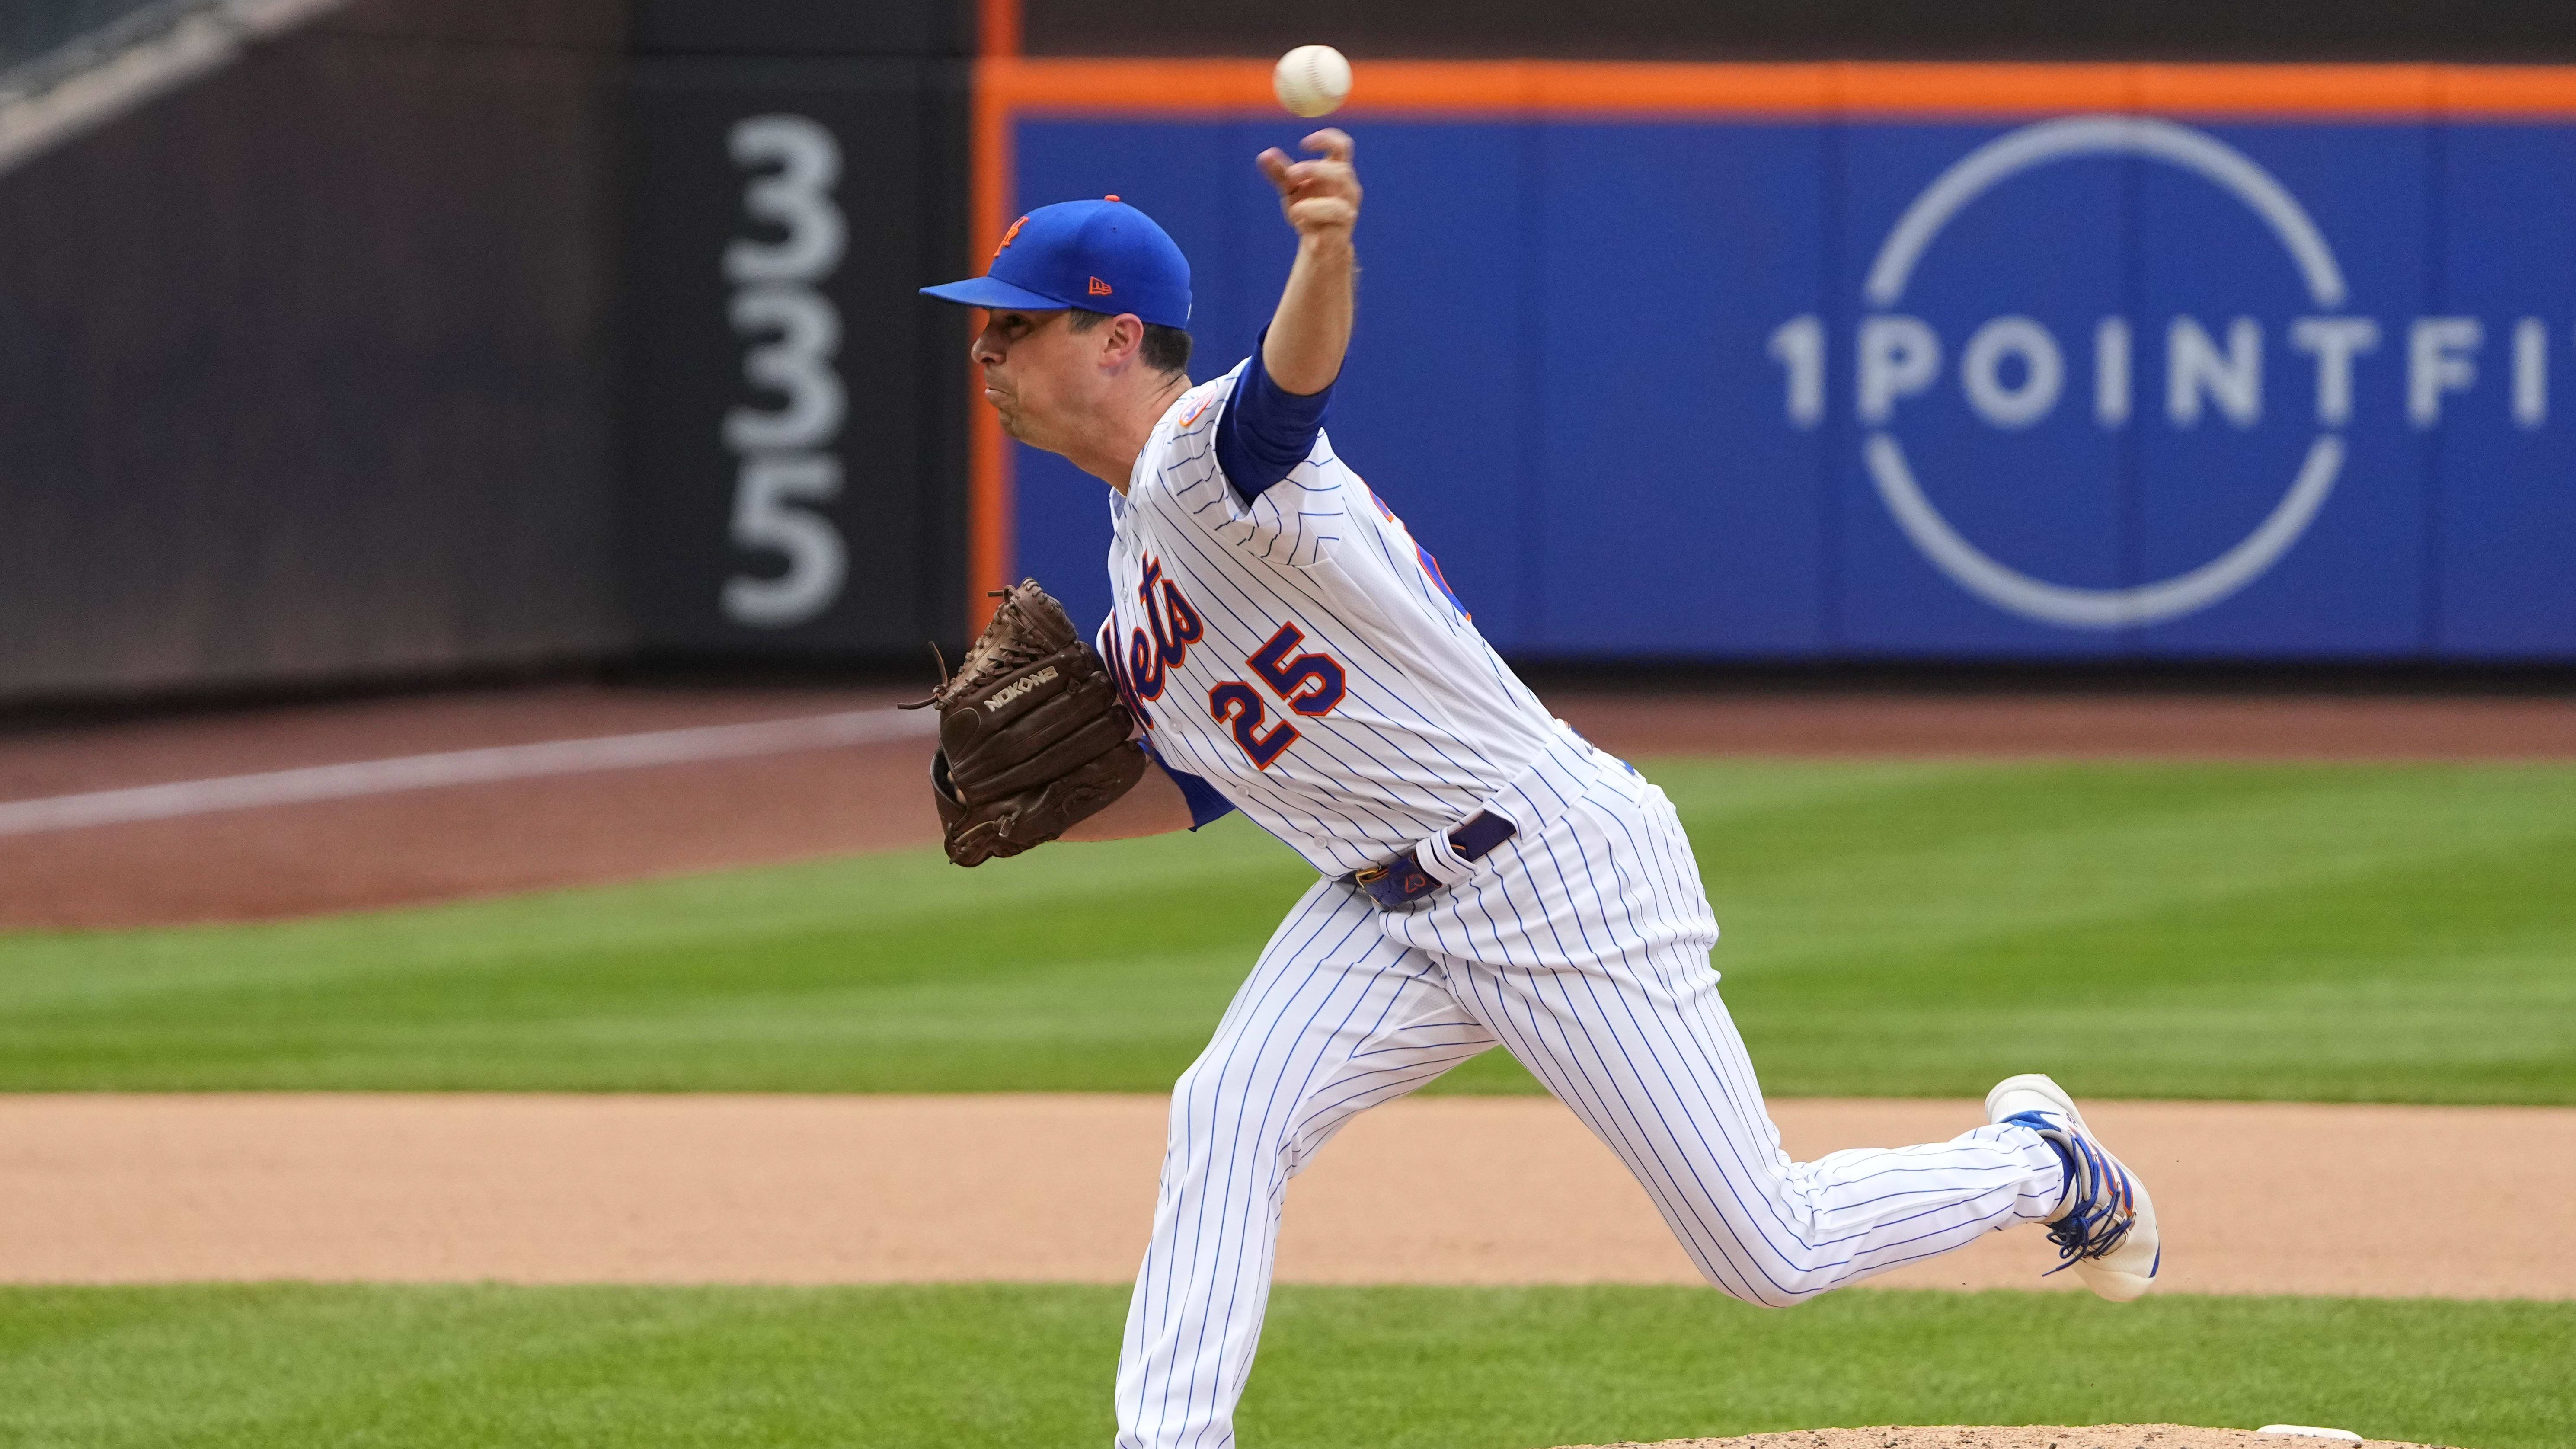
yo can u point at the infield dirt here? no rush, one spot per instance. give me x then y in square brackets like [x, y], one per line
[2255, 1198]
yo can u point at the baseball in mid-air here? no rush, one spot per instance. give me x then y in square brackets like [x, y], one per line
[1312, 80]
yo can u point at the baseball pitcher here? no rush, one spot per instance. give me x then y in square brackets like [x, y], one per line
[1280, 644]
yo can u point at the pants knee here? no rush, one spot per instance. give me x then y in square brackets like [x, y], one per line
[1206, 1122]
[1763, 1295]
[1771, 1285]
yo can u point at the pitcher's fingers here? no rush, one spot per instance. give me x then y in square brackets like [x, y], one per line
[1333, 141]
[1321, 211]
[1321, 176]
[1274, 165]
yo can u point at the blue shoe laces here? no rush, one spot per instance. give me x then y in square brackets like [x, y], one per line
[2103, 1207]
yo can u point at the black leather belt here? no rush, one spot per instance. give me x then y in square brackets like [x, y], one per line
[1404, 880]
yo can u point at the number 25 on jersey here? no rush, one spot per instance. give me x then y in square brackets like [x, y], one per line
[1309, 684]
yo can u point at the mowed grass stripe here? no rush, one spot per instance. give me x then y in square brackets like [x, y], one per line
[248, 1367]
[2328, 932]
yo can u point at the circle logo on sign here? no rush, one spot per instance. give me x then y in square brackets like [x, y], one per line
[1972, 176]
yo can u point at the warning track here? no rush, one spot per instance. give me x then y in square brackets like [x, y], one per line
[284, 812]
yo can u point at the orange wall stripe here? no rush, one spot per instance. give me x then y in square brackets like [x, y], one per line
[2354, 91]
[2505, 91]
[989, 493]
[1862, 87]
[997, 27]
[1069, 86]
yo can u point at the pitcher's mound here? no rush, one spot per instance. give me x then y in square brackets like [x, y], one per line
[2029, 1436]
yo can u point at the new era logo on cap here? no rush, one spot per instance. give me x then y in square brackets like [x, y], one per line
[1075, 252]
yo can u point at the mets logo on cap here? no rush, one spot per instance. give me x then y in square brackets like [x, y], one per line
[1095, 255]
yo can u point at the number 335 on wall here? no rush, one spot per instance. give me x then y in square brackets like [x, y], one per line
[791, 333]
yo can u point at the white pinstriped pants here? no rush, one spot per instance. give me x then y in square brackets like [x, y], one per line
[1582, 948]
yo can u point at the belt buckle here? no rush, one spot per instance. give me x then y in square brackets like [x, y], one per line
[1382, 884]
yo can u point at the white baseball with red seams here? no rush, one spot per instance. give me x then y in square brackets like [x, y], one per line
[1312, 80]
[1302, 654]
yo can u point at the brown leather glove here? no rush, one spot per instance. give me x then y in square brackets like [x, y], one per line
[1032, 734]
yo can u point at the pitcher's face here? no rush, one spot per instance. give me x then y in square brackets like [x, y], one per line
[1039, 374]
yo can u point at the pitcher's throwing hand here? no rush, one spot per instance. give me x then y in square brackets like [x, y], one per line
[1317, 196]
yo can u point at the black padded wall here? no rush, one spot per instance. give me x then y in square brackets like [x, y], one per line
[795, 428]
[306, 365]
[2499, 30]
[875, 29]
[327, 366]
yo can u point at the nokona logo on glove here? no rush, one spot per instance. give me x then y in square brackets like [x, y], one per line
[1044, 750]
[1019, 687]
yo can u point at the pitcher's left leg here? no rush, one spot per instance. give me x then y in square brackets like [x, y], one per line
[1586, 952]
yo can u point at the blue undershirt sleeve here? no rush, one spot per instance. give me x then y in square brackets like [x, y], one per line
[1266, 430]
[1206, 804]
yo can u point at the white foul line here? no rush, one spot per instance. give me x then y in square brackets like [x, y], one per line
[460, 767]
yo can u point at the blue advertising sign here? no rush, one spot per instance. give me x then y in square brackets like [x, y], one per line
[2083, 386]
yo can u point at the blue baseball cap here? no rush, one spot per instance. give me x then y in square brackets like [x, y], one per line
[1100, 256]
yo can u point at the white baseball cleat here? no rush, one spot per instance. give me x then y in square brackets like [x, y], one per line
[2105, 1226]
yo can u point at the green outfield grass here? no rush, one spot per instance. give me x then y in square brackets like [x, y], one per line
[2320, 932]
[254, 1367]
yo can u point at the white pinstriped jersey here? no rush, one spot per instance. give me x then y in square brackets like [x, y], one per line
[1301, 653]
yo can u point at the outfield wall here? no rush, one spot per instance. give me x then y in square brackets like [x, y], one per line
[306, 361]
[427, 336]
[406, 338]
[1796, 362]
